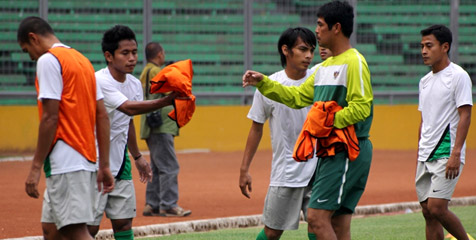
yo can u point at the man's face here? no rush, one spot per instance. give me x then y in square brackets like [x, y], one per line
[300, 56]
[432, 51]
[125, 57]
[325, 53]
[33, 49]
[323, 34]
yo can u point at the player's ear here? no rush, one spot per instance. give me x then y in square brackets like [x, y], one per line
[108, 56]
[446, 47]
[337, 27]
[285, 49]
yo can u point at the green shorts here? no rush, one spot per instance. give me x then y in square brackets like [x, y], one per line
[339, 183]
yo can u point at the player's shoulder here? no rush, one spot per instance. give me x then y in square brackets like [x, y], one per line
[103, 75]
[457, 70]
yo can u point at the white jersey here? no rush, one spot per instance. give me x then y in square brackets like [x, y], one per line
[285, 125]
[115, 94]
[63, 158]
[440, 96]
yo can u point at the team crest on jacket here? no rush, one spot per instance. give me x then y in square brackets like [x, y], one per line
[336, 73]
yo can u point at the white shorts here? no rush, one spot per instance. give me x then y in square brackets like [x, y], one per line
[118, 204]
[69, 198]
[283, 206]
[431, 182]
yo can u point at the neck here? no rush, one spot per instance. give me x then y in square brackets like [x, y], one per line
[49, 41]
[118, 76]
[294, 74]
[442, 64]
[155, 62]
[341, 44]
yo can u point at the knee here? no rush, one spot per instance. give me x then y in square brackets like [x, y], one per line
[436, 211]
[50, 232]
[93, 230]
[316, 222]
[272, 234]
[121, 225]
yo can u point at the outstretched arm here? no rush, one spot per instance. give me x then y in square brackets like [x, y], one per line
[142, 165]
[292, 96]
[452, 167]
[132, 108]
[254, 137]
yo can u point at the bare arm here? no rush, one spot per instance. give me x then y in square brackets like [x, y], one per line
[142, 165]
[254, 138]
[132, 108]
[46, 136]
[452, 167]
[104, 176]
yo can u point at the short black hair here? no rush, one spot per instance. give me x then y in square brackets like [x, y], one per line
[33, 25]
[152, 49]
[441, 33]
[289, 38]
[338, 12]
[112, 37]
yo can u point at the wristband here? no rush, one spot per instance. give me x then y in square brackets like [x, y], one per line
[140, 155]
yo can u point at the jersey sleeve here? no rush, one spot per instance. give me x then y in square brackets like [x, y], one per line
[113, 98]
[260, 110]
[463, 90]
[50, 80]
[359, 95]
[292, 96]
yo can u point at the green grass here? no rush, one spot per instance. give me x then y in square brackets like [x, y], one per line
[401, 227]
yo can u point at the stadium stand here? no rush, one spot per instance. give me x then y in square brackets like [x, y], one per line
[211, 34]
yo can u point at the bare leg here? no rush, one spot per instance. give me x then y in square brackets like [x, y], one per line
[438, 209]
[433, 228]
[320, 222]
[120, 225]
[75, 231]
[93, 230]
[49, 231]
[341, 225]
[272, 234]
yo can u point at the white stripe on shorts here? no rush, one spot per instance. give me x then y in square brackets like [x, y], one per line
[343, 181]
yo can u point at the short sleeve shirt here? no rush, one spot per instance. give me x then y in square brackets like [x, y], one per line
[440, 96]
[285, 125]
[115, 94]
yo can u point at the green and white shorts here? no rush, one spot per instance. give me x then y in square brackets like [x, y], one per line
[339, 183]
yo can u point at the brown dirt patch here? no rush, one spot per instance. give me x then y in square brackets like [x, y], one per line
[208, 185]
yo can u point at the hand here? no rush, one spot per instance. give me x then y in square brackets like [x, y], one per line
[105, 180]
[170, 98]
[31, 184]
[251, 78]
[452, 167]
[144, 169]
[245, 184]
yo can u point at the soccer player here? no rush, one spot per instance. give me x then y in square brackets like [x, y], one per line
[123, 99]
[344, 78]
[72, 112]
[289, 186]
[445, 103]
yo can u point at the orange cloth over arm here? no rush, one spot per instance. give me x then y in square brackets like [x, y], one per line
[177, 77]
[318, 134]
